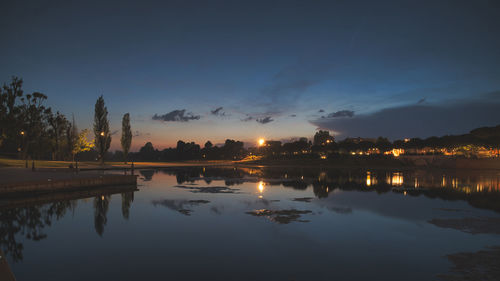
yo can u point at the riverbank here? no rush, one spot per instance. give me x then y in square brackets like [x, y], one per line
[400, 163]
[89, 166]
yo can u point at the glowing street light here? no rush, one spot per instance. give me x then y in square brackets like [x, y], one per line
[22, 133]
[102, 134]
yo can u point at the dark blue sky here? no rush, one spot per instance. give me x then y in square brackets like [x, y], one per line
[278, 69]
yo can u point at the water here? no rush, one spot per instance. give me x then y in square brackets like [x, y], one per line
[253, 224]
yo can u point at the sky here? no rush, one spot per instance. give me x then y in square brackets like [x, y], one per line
[212, 70]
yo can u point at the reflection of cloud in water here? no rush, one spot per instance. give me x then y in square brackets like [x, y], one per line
[179, 205]
[281, 216]
[470, 225]
[303, 199]
[209, 189]
[481, 265]
[340, 210]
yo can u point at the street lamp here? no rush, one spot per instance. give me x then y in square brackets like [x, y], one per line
[23, 147]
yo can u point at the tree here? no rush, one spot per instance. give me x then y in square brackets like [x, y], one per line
[33, 114]
[58, 124]
[81, 143]
[10, 121]
[101, 129]
[71, 135]
[126, 140]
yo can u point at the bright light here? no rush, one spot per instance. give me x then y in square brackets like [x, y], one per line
[261, 186]
[262, 142]
[102, 134]
[22, 132]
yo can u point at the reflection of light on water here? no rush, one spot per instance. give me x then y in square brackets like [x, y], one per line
[397, 179]
[368, 179]
[261, 186]
[416, 182]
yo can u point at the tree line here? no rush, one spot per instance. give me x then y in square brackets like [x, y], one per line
[30, 129]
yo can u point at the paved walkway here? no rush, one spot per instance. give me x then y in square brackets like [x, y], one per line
[15, 175]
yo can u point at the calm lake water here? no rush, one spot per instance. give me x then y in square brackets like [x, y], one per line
[255, 224]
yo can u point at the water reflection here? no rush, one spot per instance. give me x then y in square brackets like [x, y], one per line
[101, 206]
[261, 187]
[127, 199]
[27, 218]
[29, 223]
[481, 189]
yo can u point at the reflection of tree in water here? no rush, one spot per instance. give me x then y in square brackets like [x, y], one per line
[147, 174]
[127, 199]
[324, 181]
[28, 222]
[101, 206]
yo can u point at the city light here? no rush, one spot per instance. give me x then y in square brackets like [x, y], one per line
[261, 142]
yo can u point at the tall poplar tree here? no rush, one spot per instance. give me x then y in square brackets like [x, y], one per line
[101, 129]
[126, 140]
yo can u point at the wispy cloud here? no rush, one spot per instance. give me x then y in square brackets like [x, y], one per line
[178, 115]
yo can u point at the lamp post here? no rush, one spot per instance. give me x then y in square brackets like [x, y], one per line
[23, 148]
[102, 142]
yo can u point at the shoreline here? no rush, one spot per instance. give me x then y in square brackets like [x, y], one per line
[408, 162]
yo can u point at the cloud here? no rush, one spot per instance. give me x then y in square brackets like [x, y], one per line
[419, 120]
[178, 115]
[422, 100]
[114, 132]
[293, 115]
[264, 120]
[218, 112]
[341, 113]
[321, 110]
[246, 119]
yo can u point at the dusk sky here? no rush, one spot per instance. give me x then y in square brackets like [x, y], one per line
[211, 70]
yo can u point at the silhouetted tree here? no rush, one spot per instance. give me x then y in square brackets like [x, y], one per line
[126, 140]
[101, 128]
[33, 112]
[58, 124]
[10, 121]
